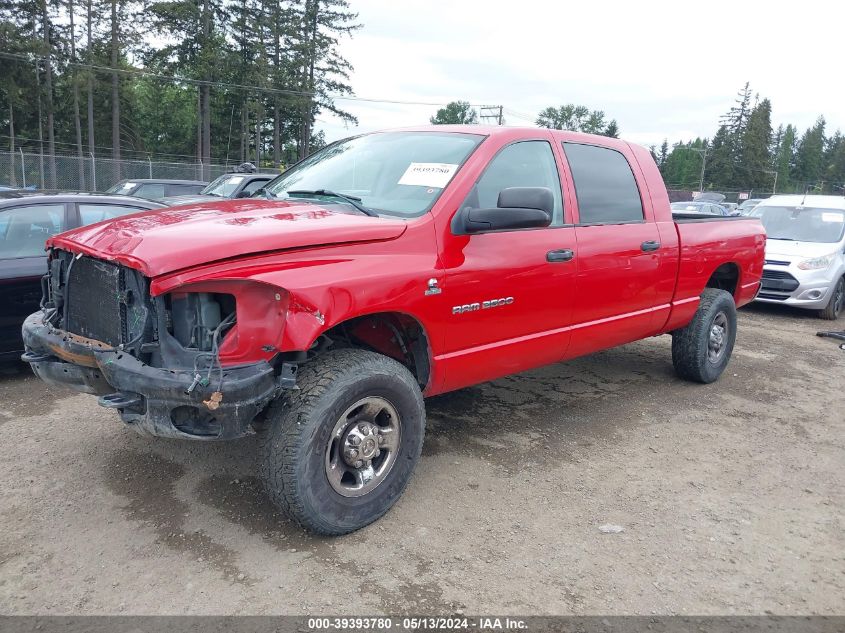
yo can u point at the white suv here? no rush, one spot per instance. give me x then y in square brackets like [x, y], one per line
[805, 252]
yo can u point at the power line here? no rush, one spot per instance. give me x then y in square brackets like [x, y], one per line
[519, 115]
[32, 59]
[23, 140]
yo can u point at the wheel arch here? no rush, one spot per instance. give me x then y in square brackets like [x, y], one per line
[393, 333]
[725, 277]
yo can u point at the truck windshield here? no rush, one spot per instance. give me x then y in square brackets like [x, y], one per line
[393, 173]
[802, 224]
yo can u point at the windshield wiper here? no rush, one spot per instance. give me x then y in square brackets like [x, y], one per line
[355, 201]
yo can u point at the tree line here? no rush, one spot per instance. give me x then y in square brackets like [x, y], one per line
[747, 154]
[244, 79]
[571, 117]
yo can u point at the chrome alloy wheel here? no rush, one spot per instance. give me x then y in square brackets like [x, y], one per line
[718, 339]
[363, 446]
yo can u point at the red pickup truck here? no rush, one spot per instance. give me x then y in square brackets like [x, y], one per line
[382, 269]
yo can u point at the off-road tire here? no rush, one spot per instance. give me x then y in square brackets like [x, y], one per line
[691, 344]
[293, 443]
[833, 310]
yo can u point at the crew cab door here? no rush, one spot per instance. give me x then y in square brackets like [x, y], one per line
[619, 259]
[510, 292]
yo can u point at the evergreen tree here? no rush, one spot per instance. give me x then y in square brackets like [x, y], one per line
[785, 158]
[664, 153]
[721, 163]
[612, 129]
[835, 163]
[809, 157]
[755, 160]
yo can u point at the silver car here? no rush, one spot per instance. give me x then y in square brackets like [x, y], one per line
[805, 252]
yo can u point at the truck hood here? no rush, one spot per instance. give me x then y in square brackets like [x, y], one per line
[167, 240]
[786, 249]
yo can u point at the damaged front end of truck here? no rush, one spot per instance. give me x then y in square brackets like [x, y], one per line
[173, 364]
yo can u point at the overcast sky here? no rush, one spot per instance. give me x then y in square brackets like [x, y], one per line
[661, 69]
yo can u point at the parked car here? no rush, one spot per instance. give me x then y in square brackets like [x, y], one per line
[730, 207]
[382, 269]
[747, 206]
[226, 186]
[805, 252]
[155, 189]
[27, 220]
[705, 208]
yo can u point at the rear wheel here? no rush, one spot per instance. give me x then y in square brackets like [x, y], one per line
[834, 308]
[702, 350]
[338, 452]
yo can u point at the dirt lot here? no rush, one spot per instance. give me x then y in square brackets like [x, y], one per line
[731, 497]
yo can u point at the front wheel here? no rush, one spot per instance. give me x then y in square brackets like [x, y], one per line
[338, 452]
[701, 350]
[833, 309]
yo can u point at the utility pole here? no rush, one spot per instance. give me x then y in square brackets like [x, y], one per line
[703, 153]
[491, 113]
[775, 185]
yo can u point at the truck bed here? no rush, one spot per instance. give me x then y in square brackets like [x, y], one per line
[686, 216]
[706, 243]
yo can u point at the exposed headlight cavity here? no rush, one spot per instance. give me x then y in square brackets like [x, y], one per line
[195, 316]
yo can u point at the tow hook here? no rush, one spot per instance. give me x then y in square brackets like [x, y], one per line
[287, 377]
[121, 400]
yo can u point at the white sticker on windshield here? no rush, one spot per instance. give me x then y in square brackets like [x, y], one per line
[428, 174]
[832, 217]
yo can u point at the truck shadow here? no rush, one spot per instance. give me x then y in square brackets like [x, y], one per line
[530, 418]
[16, 384]
[512, 423]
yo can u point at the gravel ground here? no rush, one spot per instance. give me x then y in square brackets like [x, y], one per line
[731, 498]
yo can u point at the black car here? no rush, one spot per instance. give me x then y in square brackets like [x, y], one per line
[27, 219]
[226, 186]
[156, 188]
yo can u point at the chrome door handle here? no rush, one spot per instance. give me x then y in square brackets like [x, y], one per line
[650, 245]
[562, 255]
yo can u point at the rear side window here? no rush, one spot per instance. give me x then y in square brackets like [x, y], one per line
[604, 185]
[182, 190]
[24, 230]
[90, 213]
[150, 190]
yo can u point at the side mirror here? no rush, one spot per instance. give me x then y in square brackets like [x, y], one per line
[517, 208]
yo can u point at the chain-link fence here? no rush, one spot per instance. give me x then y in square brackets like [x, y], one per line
[91, 173]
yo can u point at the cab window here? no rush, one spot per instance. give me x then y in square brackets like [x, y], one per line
[522, 164]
